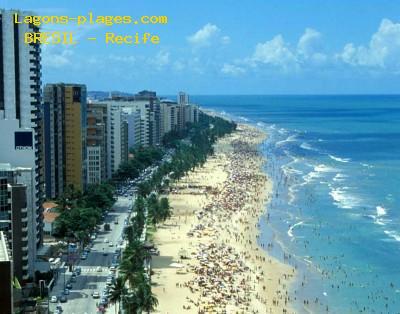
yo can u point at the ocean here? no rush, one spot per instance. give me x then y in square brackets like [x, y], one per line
[335, 209]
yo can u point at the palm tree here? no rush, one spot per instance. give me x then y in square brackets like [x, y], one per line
[148, 301]
[118, 292]
[131, 302]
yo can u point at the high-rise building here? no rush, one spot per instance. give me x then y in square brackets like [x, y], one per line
[17, 219]
[117, 139]
[169, 116]
[6, 271]
[96, 142]
[20, 113]
[65, 137]
[133, 118]
[183, 98]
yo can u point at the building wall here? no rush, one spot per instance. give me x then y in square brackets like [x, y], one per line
[65, 137]
[97, 137]
[75, 137]
[20, 229]
[16, 219]
[94, 168]
[6, 271]
[20, 113]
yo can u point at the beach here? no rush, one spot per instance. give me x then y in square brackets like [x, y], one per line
[210, 260]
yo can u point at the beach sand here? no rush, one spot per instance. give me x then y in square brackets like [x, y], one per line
[216, 209]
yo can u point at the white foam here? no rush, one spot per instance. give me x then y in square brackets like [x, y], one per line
[290, 231]
[291, 138]
[282, 131]
[343, 199]
[339, 159]
[393, 234]
[340, 177]
[311, 176]
[324, 168]
[290, 170]
[366, 165]
[306, 146]
[380, 211]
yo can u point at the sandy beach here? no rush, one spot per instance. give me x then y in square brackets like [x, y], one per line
[209, 260]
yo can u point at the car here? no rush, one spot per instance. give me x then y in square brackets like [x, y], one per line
[109, 282]
[54, 299]
[99, 268]
[66, 291]
[154, 251]
[58, 309]
[112, 268]
[105, 240]
[78, 270]
[83, 256]
[95, 295]
[63, 299]
[104, 301]
[73, 279]
[68, 286]
[110, 244]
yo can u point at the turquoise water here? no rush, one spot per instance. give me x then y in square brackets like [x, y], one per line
[335, 161]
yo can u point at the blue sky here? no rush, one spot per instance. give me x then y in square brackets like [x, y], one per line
[233, 47]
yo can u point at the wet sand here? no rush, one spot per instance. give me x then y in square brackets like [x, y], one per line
[209, 260]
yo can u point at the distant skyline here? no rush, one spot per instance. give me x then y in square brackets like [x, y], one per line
[231, 47]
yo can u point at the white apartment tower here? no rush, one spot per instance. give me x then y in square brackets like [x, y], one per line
[20, 115]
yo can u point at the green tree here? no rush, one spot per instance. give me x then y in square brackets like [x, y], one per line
[118, 292]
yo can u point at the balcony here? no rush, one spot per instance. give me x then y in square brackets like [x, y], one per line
[25, 248]
[24, 229]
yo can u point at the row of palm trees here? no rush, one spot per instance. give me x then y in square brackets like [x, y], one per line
[188, 155]
[132, 289]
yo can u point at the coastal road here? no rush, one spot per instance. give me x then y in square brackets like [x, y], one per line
[80, 300]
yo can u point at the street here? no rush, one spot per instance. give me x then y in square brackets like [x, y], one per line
[80, 300]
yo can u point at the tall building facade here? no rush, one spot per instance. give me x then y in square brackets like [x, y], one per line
[117, 139]
[6, 271]
[65, 121]
[21, 116]
[17, 220]
[169, 116]
[96, 142]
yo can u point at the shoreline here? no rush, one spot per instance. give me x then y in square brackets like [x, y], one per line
[215, 223]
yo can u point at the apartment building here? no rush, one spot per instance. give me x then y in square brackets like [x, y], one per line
[6, 271]
[21, 119]
[65, 121]
[17, 219]
[96, 142]
[117, 139]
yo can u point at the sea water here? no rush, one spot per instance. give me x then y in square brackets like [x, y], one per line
[335, 209]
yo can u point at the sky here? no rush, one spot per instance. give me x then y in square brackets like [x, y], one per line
[231, 47]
